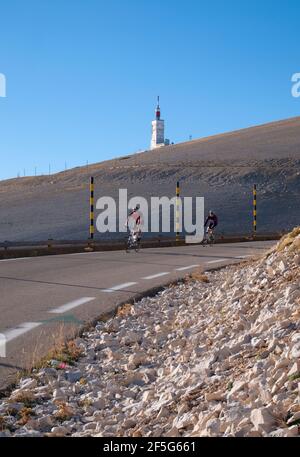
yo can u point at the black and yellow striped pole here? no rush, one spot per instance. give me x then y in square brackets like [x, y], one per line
[177, 211]
[254, 209]
[92, 208]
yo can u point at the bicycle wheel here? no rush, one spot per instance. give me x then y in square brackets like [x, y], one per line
[138, 246]
[205, 240]
[127, 245]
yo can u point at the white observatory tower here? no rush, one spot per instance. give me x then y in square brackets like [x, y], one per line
[158, 129]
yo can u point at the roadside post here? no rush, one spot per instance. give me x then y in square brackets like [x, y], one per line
[254, 210]
[91, 237]
[177, 215]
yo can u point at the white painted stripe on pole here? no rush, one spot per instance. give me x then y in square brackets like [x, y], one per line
[17, 258]
[13, 333]
[187, 268]
[216, 261]
[119, 287]
[71, 305]
[85, 253]
[157, 275]
[82, 253]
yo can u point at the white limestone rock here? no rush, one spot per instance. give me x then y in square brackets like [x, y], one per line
[262, 419]
[59, 431]
[59, 395]
[295, 352]
[28, 383]
[73, 376]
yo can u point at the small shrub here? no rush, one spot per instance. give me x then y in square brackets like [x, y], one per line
[230, 385]
[25, 398]
[25, 414]
[11, 411]
[199, 276]
[63, 412]
[2, 424]
[85, 403]
[294, 377]
[124, 310]
[68, 354]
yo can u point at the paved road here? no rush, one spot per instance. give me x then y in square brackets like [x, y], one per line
[43, 299]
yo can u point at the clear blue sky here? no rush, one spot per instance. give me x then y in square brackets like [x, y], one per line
[83, 75]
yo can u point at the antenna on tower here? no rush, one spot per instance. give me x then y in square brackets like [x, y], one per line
[157, 112]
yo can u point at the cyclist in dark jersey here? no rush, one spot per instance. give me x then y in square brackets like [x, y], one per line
[211, 220]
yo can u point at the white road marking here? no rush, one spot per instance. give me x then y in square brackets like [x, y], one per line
[243, 256]
[157, 275]
[70, 305]
[187, 268]
[119, 287]
[13, 333]
[216, 261]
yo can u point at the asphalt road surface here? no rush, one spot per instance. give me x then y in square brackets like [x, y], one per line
[45, 299]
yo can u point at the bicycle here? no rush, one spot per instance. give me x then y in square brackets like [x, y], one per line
[133, 241]
[209, 237]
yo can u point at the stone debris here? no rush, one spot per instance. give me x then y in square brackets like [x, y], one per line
[202, 358]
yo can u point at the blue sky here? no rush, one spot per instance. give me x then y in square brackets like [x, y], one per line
[83, 75]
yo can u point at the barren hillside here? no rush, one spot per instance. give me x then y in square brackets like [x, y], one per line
[221, 168]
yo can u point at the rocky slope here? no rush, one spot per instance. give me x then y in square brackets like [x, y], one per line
[215, 355]
[222, 169]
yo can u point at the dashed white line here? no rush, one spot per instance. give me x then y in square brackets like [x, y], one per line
[216, 261]
[243, 256]
[157, 275]
[13, 333]
[187, 268]
[119, 287]
[70, 305]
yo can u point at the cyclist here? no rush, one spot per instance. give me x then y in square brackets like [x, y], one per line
[134, 221]
[211, 220]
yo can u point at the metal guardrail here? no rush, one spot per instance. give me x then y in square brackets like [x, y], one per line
[13, 249]
[158, 239]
